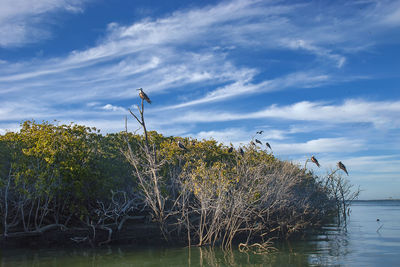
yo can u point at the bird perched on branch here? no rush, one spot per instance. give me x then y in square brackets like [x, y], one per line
[267, 144]
[341, 166]
[258, 141]
[181, 146]
[260, 132]
[230, 149]
[313, 159]
[241, 151]
[143, 95]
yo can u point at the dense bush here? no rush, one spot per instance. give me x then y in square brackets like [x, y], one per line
[55, 174]
[71, 176]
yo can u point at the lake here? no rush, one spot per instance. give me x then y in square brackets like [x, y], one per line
[365, 242]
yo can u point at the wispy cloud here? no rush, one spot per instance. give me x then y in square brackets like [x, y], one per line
[381, 114]
[153, 52]
[320, 145]
[245, 87]
[21, 21]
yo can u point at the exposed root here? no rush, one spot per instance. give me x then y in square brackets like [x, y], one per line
[257, 248]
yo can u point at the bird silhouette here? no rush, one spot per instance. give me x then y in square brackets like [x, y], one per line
[268, 145]
[258, 141]
[143, 95]
[241, 151]
[313, 159]
[181, 146]
[230, 150]
[260, 132]
[341, 166]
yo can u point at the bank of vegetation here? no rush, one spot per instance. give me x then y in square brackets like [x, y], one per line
[89, 188]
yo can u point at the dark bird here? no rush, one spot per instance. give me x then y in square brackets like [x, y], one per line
[341, 166]
[313, 159]
[241, 151]
[252, 143]
[267, 144]
[377, 220]
[259, 132]
[258, 141]
[143, 95]
[181, 146]
[230, 150]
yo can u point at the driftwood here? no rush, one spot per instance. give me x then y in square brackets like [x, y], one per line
[39, 231]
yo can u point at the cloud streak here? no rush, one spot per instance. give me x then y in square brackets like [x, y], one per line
[381, 114]
[21, 21]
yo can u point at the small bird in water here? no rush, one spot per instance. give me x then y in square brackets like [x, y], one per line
[260, 132]
[241, 151]
[341, 166]
[258, 141]
[181, 146]
[230, 149]
[267, 144]
[313, 159]
[143, 95]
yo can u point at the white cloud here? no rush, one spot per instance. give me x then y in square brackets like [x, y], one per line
[382, 114]
[320, 51]
[21, 20]
[114, 108]
[226, 136]
[244, 87]
[320, 145]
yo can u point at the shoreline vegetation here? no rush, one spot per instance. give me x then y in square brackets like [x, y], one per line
[69, 184]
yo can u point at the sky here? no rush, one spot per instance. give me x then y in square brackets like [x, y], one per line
[318, 77]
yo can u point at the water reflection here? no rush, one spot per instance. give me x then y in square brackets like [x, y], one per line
[360, 244]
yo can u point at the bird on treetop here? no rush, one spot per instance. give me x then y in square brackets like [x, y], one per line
[181, 146]
[143, 95]
[313, 159]
[267, 144]
[230, 149]
[241, 151]
[341, 166]
[258, 141]
[260, 132]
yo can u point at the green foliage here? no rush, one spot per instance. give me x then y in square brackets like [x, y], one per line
[65, 171]
[73, 164]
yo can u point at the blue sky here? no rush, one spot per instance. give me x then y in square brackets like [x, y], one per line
[319, 77]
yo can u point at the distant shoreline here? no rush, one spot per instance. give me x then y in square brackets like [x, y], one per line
[370, 200]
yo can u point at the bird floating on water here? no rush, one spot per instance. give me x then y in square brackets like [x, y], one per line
[341, 166]
[258, 141]
[313, 159]
[143, 95]
[181, 146]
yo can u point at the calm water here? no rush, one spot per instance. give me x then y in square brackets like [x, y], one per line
[362, 244]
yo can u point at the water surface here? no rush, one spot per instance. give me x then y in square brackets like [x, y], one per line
[365, 242]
